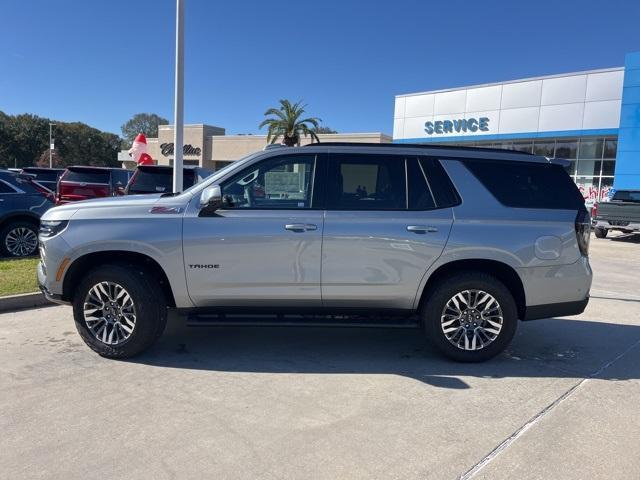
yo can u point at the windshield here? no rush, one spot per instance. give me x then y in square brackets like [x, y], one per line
[626, 196]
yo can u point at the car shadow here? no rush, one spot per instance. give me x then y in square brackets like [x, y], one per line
[561, 348]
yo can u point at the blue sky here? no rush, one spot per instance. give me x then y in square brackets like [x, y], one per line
[100, 62]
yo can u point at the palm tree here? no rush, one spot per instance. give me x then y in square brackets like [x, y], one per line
[286, 123]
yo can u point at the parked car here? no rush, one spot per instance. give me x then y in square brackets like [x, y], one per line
[621, 213]
[22, 202]
[463, 241]
[83, 183]
[159, 179]
[47, 177]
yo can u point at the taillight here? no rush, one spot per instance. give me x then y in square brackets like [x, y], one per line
[594, 210]
[583, 231]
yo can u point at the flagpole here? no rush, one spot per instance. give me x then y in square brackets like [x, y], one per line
[178, 124]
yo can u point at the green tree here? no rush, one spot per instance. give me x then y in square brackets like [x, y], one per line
[286, 123]
[324, 129]
[146, 123]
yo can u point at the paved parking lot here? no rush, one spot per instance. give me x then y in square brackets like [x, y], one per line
[273, 403]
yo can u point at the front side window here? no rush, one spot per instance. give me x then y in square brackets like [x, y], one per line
[284, 182]
[367, 182]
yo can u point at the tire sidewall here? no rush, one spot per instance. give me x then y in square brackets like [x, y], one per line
[601, 232]
[6, 230]
[149, 306]
[441, 294]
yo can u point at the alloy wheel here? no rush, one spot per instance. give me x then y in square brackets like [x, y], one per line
[109, 313]
[21, 242]
[471, 319]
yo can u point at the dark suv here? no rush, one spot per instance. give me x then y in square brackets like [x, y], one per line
[47, 177]
[159, 179]
[84, 183]
[21, 204]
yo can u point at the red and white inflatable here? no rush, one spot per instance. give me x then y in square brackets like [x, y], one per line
[138, 151]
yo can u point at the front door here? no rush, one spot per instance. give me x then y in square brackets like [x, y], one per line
[382, 231]
[263, 247]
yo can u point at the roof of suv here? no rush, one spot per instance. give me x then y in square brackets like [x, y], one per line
[468, 152]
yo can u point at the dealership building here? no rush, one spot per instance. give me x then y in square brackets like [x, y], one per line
[591, 118]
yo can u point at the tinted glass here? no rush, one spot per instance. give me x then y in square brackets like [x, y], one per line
[366, 182]
[589, 167]
[284, 182]
[626, 196]
[146, 181]
[87, 176]
[545, 149]
[590, 149]
[420, 197]
[567, 149]
[528, 185]
[608, 167]
[441, 186]
[610, 148]
[120, 177]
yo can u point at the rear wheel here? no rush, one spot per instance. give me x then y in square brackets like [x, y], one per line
[601, 232]
[19, 239]
[470, 317]
[119, 310]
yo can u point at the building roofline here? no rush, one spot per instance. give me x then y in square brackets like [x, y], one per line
[520, 80]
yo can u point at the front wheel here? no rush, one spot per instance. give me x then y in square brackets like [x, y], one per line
[119, 310]
[601, 232]
[470, 317]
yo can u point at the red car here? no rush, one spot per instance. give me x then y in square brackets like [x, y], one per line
[84, 183]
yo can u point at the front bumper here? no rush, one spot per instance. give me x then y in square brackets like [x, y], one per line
[42, 284]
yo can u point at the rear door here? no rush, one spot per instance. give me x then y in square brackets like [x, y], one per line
[382, 230]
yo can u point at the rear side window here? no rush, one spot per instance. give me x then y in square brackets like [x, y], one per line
[367, 182]
[528, 185]
[86, 176]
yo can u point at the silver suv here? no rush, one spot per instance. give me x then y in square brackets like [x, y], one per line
[461, 241]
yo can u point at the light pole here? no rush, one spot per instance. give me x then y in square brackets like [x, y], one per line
[51, 144]
[178, 123]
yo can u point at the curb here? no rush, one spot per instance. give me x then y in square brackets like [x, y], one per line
[23, 301]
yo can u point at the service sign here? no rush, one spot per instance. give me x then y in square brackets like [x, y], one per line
[460, 125]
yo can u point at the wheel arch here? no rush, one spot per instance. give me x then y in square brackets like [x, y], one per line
[80, 266]
[503, 272]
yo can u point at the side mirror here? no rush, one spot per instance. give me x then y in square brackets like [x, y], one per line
[211, 199]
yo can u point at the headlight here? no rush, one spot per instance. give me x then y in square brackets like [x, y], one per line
[49, 228]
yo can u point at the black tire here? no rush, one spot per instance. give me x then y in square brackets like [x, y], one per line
[11, 227]
[437, 299]
[150, 309]
[601, 232]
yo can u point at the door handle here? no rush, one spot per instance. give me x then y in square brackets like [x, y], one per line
[300, 227]
[421, 229]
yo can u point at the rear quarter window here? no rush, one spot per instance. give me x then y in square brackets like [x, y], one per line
[528, 185]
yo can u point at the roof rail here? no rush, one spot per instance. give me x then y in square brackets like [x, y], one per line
[416, 145]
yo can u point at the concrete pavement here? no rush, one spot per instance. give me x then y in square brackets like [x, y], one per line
[330, 403]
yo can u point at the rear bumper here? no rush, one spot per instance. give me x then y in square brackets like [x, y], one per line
[606, 224]
[565, 309]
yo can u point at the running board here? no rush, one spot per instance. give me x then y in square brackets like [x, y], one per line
[288, 320]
